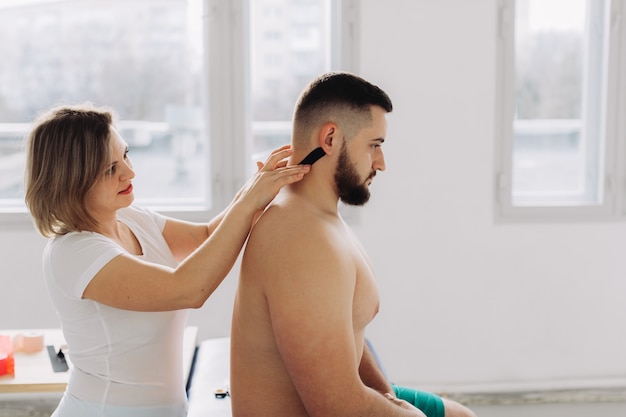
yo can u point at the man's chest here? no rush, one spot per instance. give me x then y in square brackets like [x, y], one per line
[366, 299]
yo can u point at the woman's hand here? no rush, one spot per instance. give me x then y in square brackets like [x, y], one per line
[271, 176]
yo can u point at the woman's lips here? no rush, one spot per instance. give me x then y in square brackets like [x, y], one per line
[128, 190]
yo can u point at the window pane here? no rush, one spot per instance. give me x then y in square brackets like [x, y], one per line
[143, 58]
[290, 45]
[559, 94]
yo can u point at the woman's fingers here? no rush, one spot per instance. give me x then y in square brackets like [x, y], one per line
[276, 157]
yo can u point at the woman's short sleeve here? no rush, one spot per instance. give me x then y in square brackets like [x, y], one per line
[71, 261]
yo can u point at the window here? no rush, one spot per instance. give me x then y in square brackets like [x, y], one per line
[298, 51]
[143, 58]
[202, 88]
[559, 62]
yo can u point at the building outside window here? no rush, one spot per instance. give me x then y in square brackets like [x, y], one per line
[154, 62]
[559, 64]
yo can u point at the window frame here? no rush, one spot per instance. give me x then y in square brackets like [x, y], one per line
[226, 39]
[613, 167]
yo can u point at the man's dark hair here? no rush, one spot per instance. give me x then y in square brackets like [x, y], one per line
[339, 97]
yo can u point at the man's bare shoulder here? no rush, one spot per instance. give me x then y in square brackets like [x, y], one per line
[290, 220]
[292, 239]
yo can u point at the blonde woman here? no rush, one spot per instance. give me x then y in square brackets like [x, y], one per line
[121, 277]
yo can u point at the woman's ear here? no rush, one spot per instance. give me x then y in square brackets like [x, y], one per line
[327, 136]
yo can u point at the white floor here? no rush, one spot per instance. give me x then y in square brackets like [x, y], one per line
[44, 409]
[553, 410]
[27, 408]
[16, 407]
[585, 398]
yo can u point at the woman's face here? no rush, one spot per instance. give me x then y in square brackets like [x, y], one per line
[114, 188]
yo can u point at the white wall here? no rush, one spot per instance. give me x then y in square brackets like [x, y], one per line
[465, 300]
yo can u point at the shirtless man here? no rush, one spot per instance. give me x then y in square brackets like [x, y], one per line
[306, 289]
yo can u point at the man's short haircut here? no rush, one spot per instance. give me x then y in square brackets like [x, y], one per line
[339, 97]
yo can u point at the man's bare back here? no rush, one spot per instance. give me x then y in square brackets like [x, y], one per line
[321, 294]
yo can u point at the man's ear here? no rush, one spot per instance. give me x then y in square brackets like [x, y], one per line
[327, 137]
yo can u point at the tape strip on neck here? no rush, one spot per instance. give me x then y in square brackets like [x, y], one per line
[313, 156]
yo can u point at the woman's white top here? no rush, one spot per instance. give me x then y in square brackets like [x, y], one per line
[120, 358]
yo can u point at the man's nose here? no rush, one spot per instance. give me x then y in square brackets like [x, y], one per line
[379, 162]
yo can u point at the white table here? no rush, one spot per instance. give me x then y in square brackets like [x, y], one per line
[211, 372]
[34, 373]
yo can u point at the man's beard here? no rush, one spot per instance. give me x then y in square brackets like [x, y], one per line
[350, 188]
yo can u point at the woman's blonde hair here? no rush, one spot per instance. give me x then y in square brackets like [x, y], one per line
[67, 151]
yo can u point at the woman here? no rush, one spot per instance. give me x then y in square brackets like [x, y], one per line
[120, 276]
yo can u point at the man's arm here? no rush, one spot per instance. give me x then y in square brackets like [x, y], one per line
[371, 374]
[310, 297]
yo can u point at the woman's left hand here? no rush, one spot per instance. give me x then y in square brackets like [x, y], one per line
[270, 177]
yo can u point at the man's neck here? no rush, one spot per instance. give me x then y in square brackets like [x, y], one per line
[317, 192]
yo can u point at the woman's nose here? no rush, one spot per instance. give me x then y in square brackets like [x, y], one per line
[129, 171]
